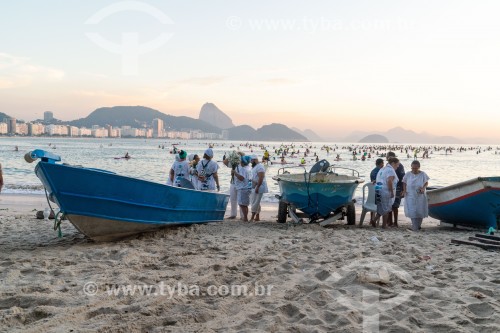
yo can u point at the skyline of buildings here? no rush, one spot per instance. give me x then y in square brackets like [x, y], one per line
[10, 126]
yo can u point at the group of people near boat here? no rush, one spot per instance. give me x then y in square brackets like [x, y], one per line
[248, 184]
[248, 180]
[202, 174]
[391, 185]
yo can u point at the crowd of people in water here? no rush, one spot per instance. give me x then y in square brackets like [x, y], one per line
[284, 153]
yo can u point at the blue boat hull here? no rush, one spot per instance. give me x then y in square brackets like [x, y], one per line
[316, 199]
[473, 203]
[106, 206]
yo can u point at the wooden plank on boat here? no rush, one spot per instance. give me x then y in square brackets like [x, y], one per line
[497, 238]
[481, 245]
[484, 240]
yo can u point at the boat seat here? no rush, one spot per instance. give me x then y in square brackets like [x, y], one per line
[368, 201]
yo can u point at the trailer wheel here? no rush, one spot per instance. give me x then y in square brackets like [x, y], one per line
[282, 212]
[351, 214]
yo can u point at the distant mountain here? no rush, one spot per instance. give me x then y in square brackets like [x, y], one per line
[273, 132]
[140, 116]
[401, 135]
[214, 116]
[374, 138]
[3, 115]
[309, 134]
[243, 132]
[279, 132]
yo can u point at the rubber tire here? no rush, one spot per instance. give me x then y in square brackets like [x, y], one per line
[351, 214]
[282, 212]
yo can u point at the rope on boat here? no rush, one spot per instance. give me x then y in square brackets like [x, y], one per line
[57, 224]
[308, 182]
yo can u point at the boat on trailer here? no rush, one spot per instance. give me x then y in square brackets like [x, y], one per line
[472, 203]
[106, 206]
[324, 193]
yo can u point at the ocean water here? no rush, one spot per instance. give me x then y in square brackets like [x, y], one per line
[150, 162]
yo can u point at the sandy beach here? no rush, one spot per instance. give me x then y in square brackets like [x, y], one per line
[242, 277]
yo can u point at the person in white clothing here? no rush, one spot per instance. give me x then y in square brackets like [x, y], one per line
[242, 183]
[169, 179]
[207, 172]
[259, 187]
[193, 161]
[385, 190]
[179, 169]
[233, 193]
[415, 183]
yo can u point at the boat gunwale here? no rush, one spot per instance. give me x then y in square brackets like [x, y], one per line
[464, 183]
[307, 180]
[106, 173]
[463, 197]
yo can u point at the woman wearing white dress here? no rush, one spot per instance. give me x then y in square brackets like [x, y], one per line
[414, 185]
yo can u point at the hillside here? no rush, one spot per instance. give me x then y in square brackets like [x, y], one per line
[139, 116]
[309, 134]
[374, 138]
[214, 116]
[279, 132]
[243, 132]
[401, 135]
[3, 115]
[273, 132]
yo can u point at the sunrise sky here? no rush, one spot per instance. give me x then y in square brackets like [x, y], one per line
[331, 66]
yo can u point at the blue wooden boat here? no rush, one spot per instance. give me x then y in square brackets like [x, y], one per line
[318, 194]
[106, 206]
[472, 203]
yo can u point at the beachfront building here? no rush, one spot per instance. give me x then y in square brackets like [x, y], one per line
[36, 129]
[11, 125]
[147, 132]
[22, 129]
[129, 132]
[58, 130]
[73, 131]
[196, 135]
[114, 133]
[212, 136]
[4, 129]
[158, 128]
[48, 116]
[178, 135]
[158, 131]
[99, 132]
[83, 131]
